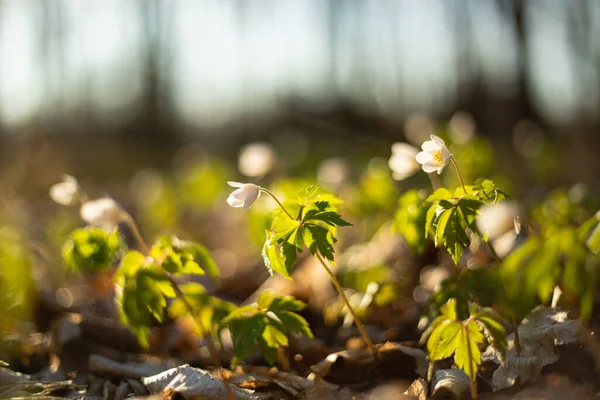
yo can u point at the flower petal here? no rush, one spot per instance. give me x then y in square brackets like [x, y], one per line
[400, 148]
[430, 168]
[438, 141]
[234, 201]
[250, 199]
[423, 157]
[430, 146]
[235, 184]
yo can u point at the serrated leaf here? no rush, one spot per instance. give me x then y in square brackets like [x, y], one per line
[449, 336]
[493, 330]
[266, 298]
[286, 303]
[440, 194]
[289, 253]
[329, 217]
[307, 194]
[283, 229]
[295, 323]
[273, 259]
[468, 355]
[205, 260]
[320, 240]
[429, 221]
[274, 337]
[441, 226]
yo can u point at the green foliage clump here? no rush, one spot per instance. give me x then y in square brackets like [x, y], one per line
[266, 326]
[181, 257]
[315, 228]
[451, 334]
[451, 218]
[91, 249]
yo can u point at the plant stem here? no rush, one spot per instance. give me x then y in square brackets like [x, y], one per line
[135, 230]
[277, 200]
[462, 183]
[515, 327]
[359, 325]
[210, 344]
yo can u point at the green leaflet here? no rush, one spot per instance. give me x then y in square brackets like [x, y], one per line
[265, 325]
[314, 228]
[448, 335]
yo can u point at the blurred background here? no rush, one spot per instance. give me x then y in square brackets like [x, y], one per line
[160, 103]
[159, 74]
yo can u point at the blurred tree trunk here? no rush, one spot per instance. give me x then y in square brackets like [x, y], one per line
[153, 122]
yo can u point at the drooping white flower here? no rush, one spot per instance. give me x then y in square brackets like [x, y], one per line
[402, 162]
[256, 159]
[244, 196]
[65, 192]
[435, 155]
[103, 212]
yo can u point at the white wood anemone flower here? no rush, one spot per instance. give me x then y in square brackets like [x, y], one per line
[244, 196]
[104, 213]
[65, 192]
[402, 162]
[435, 155]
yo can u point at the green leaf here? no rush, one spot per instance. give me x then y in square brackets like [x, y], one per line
[266, 298]
[429, 221]
[440, 194]
[130, 265]
[410, 219]
[286, 303]
[468, 356]
[295, 323]
[441, 226]
[307, 194]
[593, 241]
[493, 329]
[90, 249]
[449, 336]
[181, 257]
[273, 259]
[289, 253]
[320, 240]
[283, 229]
[274, 337]
[329, 217]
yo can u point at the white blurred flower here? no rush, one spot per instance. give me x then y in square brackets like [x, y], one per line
[498, 223]
[256, 159]
[435, 155]
[244, 196]
[66, 192]
[104, 213]
[402, 162]
[333, 172]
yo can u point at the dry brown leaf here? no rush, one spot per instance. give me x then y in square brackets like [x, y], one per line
[451, 383]
[192, 383]
[418, 389]
[540, 335]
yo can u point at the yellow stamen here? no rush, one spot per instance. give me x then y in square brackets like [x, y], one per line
[437, 156]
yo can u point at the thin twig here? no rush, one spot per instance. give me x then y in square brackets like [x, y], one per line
[135, 230]
[462, 183]
[359, 325]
